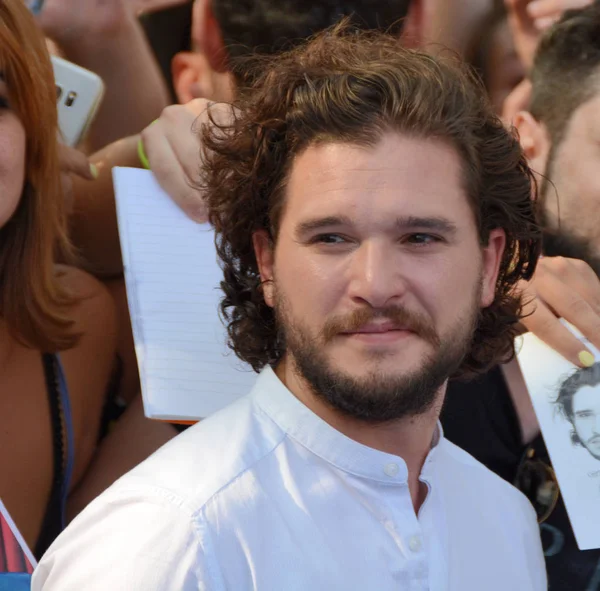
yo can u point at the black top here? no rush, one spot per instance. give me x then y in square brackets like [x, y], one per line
[480, 417]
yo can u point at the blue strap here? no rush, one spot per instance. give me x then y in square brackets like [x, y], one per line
[68, 415]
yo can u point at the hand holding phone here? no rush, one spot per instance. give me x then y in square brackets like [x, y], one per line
[79, 93]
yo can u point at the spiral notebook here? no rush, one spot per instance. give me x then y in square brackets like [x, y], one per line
[172, 277]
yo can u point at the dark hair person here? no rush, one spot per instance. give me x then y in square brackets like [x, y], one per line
[372, 216]
[561, 129]
[51, 403]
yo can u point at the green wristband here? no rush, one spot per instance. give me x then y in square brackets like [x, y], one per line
[142, 155]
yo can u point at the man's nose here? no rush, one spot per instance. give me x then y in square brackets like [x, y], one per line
[376, 275]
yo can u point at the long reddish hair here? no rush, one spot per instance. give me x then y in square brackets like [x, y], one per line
[34, 303]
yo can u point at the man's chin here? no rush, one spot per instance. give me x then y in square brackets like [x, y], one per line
[594, 451]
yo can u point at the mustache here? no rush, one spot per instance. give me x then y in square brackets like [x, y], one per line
[354, 321]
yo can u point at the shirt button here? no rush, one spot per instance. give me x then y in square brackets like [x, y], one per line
[391, 469]
[414, 544]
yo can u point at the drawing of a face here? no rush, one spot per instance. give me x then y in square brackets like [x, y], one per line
[586, 419]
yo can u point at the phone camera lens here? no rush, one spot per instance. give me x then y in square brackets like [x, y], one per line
[70, 98]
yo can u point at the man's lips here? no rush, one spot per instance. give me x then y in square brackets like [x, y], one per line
[378, 328]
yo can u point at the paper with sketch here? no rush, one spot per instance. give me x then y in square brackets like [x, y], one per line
[567, 404]
[172, 278]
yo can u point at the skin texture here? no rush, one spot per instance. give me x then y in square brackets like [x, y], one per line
[369, 261]
[12, 157]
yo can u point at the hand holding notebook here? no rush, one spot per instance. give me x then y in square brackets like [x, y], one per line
[172, 277]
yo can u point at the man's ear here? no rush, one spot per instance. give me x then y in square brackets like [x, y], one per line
[264, 251]
[492, 258]
[413, 28]
[191, 77]
[534, 139]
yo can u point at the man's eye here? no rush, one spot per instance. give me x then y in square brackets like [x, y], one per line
[4, 103]
[422, 239]
[585, 414]
[329, 239]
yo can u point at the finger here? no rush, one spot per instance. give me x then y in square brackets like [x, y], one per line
[170, 174]
[547, 327]
[574, 274]
[585, 281]
[569, 304]
[75, 162]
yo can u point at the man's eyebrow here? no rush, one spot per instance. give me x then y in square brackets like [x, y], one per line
[320, 223]
[438, 224]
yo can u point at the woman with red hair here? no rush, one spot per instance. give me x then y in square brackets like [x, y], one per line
[57, 324]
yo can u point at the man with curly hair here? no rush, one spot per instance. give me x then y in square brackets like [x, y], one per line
[373, 217]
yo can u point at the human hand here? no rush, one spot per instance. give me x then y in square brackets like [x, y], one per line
[569, 289]
[529, 18]
[73, 162]
[173, 147]
[69, 21]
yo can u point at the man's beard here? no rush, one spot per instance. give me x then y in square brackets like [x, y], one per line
[376, 397]
[558, 241]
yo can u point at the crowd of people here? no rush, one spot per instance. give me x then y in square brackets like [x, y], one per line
[398, 189]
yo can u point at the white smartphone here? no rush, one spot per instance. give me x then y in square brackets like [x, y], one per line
[79, 93]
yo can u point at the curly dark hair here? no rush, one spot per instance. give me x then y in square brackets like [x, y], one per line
[353, 86]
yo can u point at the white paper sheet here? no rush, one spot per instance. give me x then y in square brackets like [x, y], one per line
[172, 277]
[577, 470]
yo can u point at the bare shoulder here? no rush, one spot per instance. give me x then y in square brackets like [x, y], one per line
[94, 312]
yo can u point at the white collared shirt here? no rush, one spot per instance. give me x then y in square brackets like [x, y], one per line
[265, 495]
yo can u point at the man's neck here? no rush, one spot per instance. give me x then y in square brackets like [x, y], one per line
[409, 438]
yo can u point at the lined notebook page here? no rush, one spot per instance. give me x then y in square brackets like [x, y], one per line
[172, 278]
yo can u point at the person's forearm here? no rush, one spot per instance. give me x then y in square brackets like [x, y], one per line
[93, 224]
[136, 92]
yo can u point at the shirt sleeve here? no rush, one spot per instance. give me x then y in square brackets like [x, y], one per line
[131, 542]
